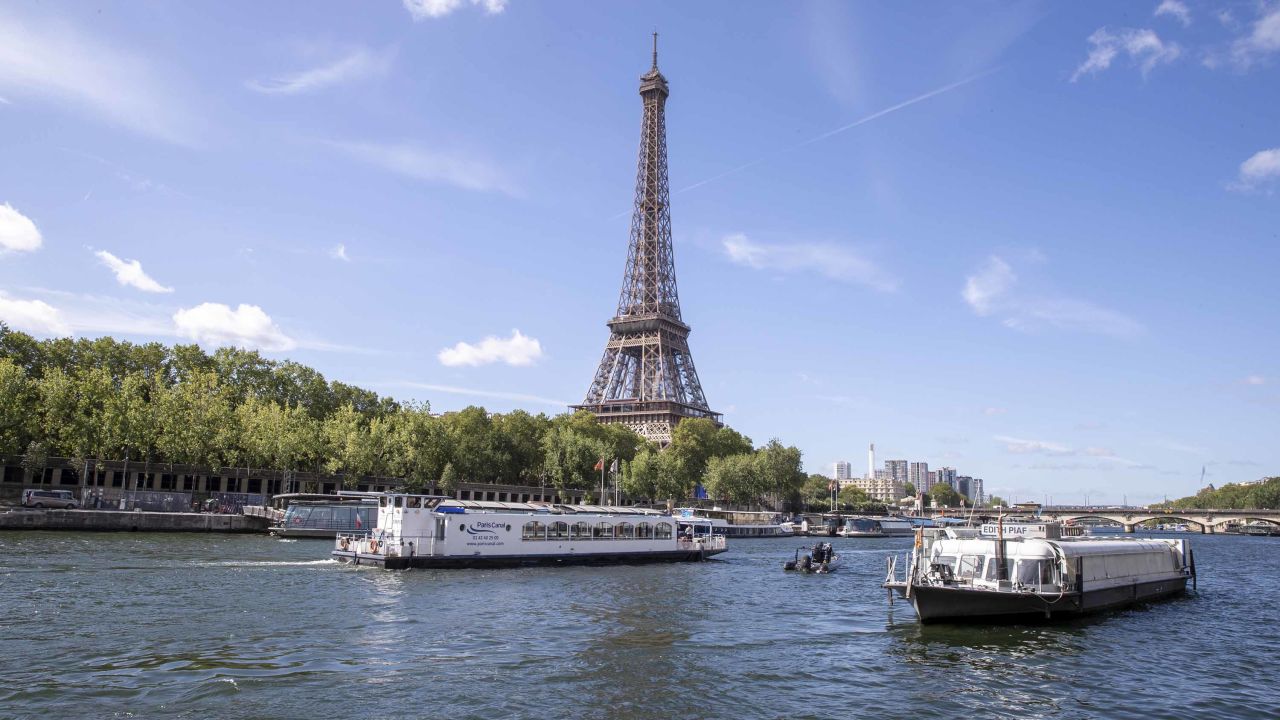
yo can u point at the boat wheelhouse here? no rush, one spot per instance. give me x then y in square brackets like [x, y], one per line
[1025, 572]
[427, 531]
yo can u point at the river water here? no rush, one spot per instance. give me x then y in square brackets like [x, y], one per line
[197, 626]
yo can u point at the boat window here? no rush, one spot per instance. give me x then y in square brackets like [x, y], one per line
[399, 501]
[534, 530]
[558, 530]
[625, 530]
[321, 517]
[414, 502]
[662, 531]
[342, 518]
[1035, 572]
[644, 530]
[382, 502]
[604, 530]
[970, 566]
[582, 530]
[993, 565]
[948, 560]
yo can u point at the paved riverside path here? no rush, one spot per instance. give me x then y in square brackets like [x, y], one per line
[129, 521]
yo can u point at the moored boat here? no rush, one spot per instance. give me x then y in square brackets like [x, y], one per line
[426, 531]
[1007, 572]
[741, 524]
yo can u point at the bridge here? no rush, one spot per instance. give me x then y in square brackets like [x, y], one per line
[1208, 521]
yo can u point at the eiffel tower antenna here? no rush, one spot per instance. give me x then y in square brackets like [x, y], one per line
[646, 379]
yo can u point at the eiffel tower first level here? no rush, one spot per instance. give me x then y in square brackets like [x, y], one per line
[646, 379]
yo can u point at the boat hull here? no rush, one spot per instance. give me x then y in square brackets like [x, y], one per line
[513, 561]
[950, 604]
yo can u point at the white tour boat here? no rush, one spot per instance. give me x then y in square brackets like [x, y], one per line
[1024, 572]
[427, 531]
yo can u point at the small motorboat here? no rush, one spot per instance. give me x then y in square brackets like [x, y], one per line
[820, 559]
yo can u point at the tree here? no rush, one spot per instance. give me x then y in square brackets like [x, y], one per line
[781, 470]
[569, 457]
[422, 447]
[737, 478]
[909, 490]
[996, 501]
[17, 397]
[944, 495]
[854, 498]
[816, 492]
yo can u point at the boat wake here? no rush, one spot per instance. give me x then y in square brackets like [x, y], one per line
[268, 563]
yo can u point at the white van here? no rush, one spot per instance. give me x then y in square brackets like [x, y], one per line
[49, 498]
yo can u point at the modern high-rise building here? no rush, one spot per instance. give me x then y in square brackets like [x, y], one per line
[882, 474]
[964, 485]
[897, 470]
[930, 479]
[842, 470]
[947, 475]
[871, 460]
[918, 475]
[975, 488]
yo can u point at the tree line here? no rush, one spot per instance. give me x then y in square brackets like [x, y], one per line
[1264, 495]
[105, 399]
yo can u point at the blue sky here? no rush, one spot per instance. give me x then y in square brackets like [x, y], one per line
[1033, 241]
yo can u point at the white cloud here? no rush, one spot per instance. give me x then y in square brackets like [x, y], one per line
[496, 394]
[339, 253]
[1143, 47]
[833, 261]
[982, 290]
[356, 65]
[517, 350]
[1261, 168]
[1019, 446]
[33, 316]
[129, 272]
[1176, 9]
[424, 9]
[992, 290]
[449, 167]
[1262, 40]
[1099, 452]
[17, 231]
[1255, 380]
[217, 324]
[52, 60]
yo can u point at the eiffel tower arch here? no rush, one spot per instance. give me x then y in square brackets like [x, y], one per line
[646, 379]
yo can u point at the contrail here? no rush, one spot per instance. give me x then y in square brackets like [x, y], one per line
[843, 128]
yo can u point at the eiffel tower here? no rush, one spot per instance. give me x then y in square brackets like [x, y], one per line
[646, 378]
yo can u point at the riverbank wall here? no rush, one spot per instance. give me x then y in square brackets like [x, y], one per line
[118, 521]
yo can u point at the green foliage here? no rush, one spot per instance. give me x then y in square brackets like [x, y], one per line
[815, 493]
[909, 490]
[944, 495]
[996, 501]
[107, 399]
[1264, 495]
[853, 497]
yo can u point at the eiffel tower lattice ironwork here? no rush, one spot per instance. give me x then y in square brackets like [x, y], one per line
[646, 379]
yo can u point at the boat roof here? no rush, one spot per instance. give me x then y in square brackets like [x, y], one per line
[549, 508]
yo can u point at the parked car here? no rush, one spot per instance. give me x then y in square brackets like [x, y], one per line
[49, 498]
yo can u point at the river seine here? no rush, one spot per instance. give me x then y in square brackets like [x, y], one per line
[201, 626]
